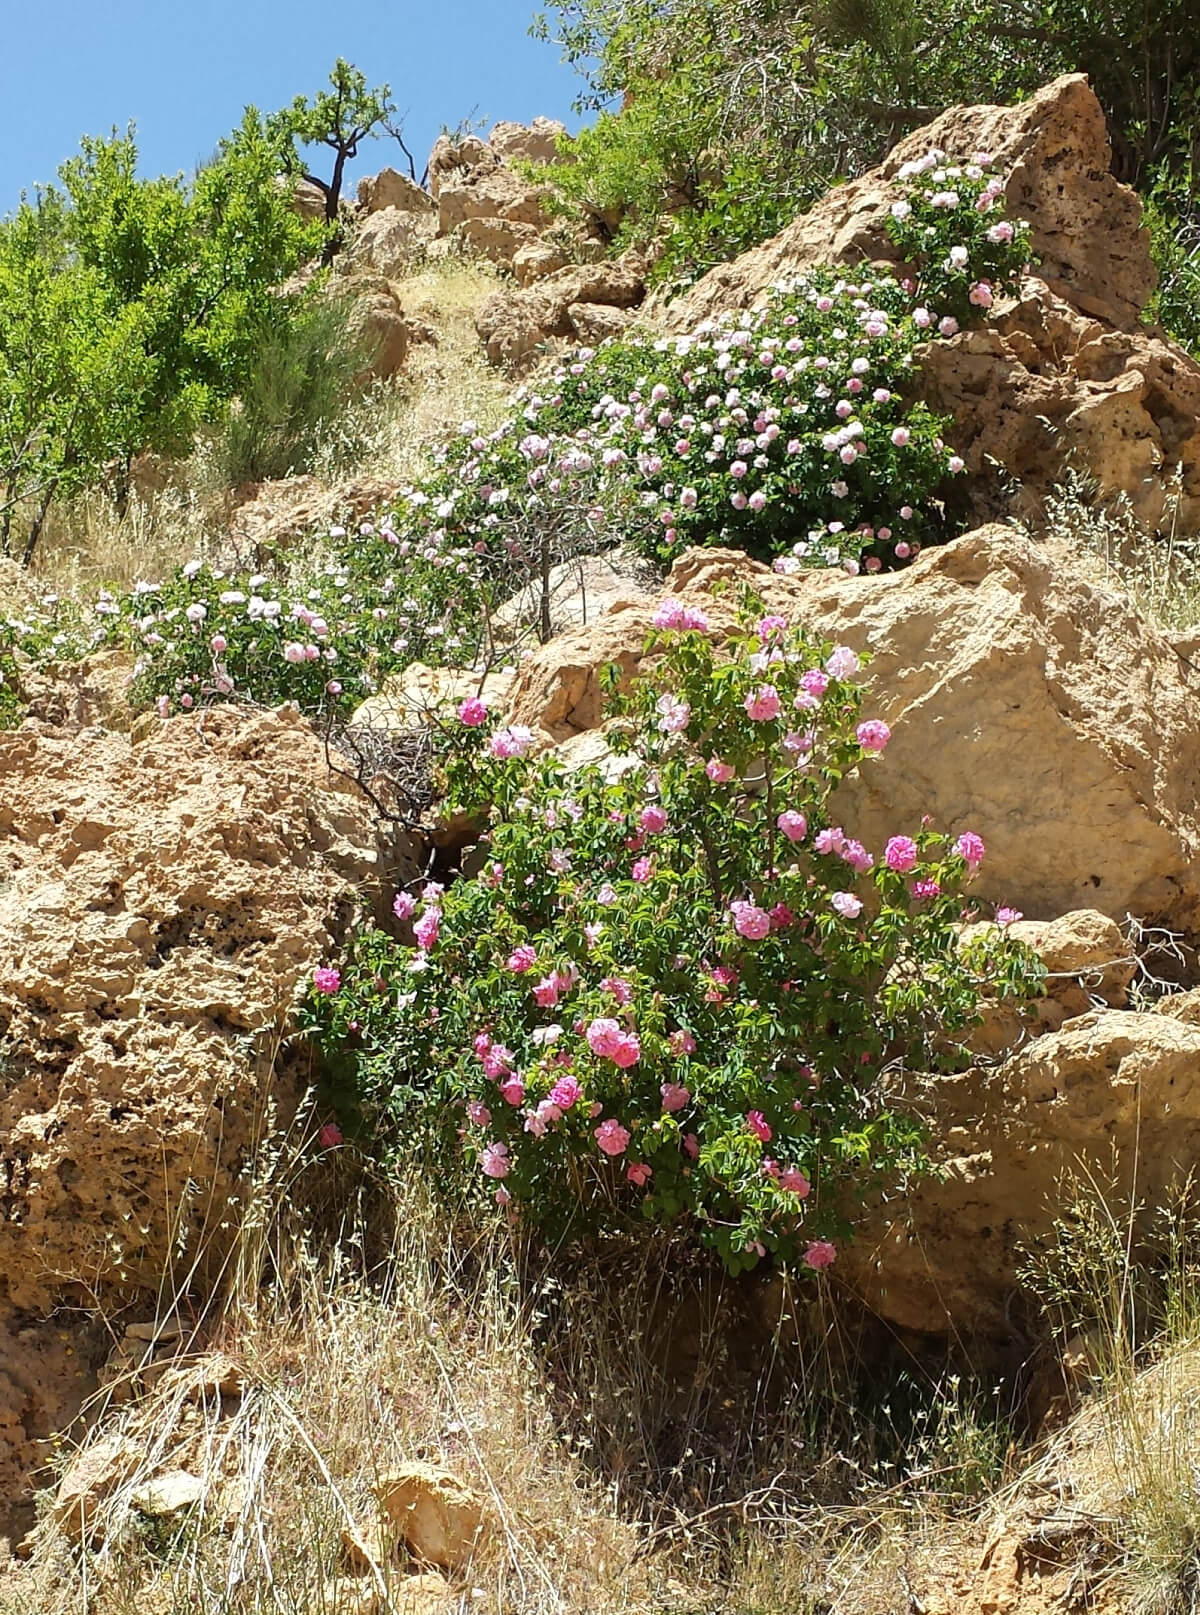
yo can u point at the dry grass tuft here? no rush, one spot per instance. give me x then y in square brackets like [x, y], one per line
[1160, 570]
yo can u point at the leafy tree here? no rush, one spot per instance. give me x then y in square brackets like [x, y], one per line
[340, 118]
[131, 310]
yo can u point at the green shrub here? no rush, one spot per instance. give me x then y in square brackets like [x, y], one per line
[790, 431]
[674, 990]
[324, 637]
[303, 378]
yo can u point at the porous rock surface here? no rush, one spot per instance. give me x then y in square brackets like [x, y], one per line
[1086, 226]
[1110, 1099]
[1025, 701]
[1064, 372]
[160, 904]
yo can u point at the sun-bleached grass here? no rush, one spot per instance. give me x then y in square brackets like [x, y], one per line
[387, 432]
[1160, 570]
[649, 1436]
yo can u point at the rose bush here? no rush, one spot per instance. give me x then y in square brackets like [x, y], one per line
[324, 636]
[673, 989]
[789, 430]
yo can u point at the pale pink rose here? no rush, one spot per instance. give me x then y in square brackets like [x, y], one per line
[494, 1161]
[612, 1138]
[794, 825]
[763, 704]
[749, 920]
[820, 1254]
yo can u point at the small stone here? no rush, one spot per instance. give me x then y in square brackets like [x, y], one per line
[437, 1515]
[168, 1493]
[163, 1330]
[92, 1478]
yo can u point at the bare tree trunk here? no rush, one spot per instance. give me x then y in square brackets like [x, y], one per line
[35, 531]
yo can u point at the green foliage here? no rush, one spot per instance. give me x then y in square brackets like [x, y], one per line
[673, 991]
[131, 310]
[1173, 219]
[340, 118]
[304, 373]
[724, 114]
[323, 635]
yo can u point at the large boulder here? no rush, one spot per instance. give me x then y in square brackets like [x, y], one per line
[516, 325]
[276, 515]
[386, 242]
[1063, 373]
[488, 192]
[452, 154]
[1041, 386]
[1088, 237]
[160, 905]
[392, 189]
[536, 142]
[1110, 1102]
[1026, 702]
[376, 319]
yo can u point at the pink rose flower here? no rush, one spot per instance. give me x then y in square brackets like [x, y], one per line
[612, 1138]
[521, 959]
[682, 1042]
[763, 704]
[794, 825]
[404, 905]
[749, 920]
[639, 1174]
[1008, 916]
[757, 1123]
[494, 1161]
[642, 870]
[545, 992]
[326, 979]
[846, 904]
[427, 927]
[900, 854]
[627, 1051]
[473, 712]
[513, 1091]
[971, 848]
[330, 1136]
[674, 1096]
[565, 1092]
[792, 1178]
[720, 773]
[478, 1113]
[512, 742]
[820, 1254]
[653, 820]
[873, 735]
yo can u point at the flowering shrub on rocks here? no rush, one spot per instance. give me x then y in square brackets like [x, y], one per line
[788, 430]
[324, 637]
[951, 228]
[674, 988]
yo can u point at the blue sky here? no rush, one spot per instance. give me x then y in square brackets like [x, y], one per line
[184, 69]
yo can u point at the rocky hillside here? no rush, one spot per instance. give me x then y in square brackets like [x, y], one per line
[168, 885]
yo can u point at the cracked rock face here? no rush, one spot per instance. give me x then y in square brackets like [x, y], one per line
[160, 904]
